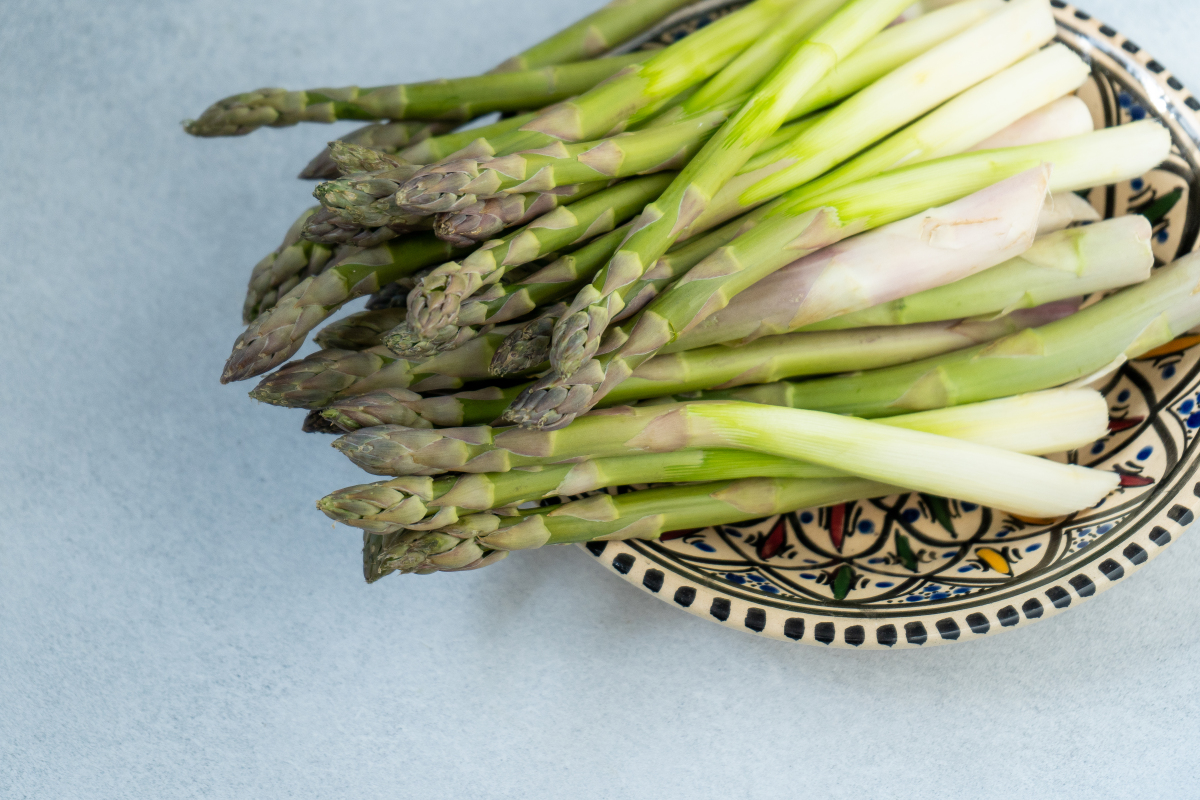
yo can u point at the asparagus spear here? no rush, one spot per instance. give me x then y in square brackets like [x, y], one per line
[1046, 422]
[912, 458]
[1064, 209]
[997, 88]
[1066, 116]
[327, 375]
[722, 156]
[276, 335]
[276, 274]
[636, 93]
[458, 99]
[481, 221]
[1125, 325]
[770, 358]
[593, 35]
[1069, 263]
[386, 137]
[436, 148]
[329, 228]
[433, 306]
[645, 515]
[794, 227]
[360, 331]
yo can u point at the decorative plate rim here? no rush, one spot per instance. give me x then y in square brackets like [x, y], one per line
[1162, 515]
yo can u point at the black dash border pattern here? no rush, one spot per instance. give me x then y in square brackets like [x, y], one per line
[1112, 564]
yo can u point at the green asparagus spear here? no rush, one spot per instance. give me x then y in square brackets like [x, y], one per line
[360, 331]
[280, 271]
[327, 375]
[274, 336]
[485, 219]
[386, 137]
[458, 99]
[593, 35]
[637, 515]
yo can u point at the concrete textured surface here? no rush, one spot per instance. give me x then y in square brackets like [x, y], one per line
[177, 621]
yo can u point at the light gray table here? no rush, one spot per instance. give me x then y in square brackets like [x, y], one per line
[177, 621]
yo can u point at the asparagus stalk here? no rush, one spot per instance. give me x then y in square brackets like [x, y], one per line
[593, 35]
[1064, 209]
[360, 331]
[1124, 325]
[433, 306]
[329, 228]
[914, 459]
[528, 345]
[1046, 422]
[634, 94]
[1067, 116]
[386, 137]
[647, 515]
[274, 336]
[997, 89]
[771, 358]
[795, 226]
[322, 378]
[1070, 263]
[481, 221]
[280, 271]
[930, 249]
[436, 148]
[722, 156]
[459, 99]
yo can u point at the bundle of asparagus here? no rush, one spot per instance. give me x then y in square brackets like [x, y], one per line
[817, 250]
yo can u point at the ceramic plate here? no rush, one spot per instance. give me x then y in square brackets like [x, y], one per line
[917, 571]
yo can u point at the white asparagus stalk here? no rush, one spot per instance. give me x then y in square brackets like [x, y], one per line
[930, 249]
[925, 462]
[1064, 209]
[1069, 263]
[1065, 117]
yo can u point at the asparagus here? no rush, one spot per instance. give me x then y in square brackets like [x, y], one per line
[436, 148]
[1046, 422]
[722, 156]
[1064, 209]
[914, 459]
[593, 35]
[386, 137]
[1125, 325]
[481, 221]
[635, 94]
[280, 271]
[433, 306]
[360, 331]
[274, 336]
[987, 64]
[793, 227]
[328, 227]
[1066, 116]
[770, 358]
[459, 99]
[528, 345]
[328, 375]
[1069, 263]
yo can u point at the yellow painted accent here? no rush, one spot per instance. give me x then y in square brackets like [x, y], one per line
[994, 560]
[1177, 346]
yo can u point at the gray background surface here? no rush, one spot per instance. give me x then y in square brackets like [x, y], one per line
[176, 620]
